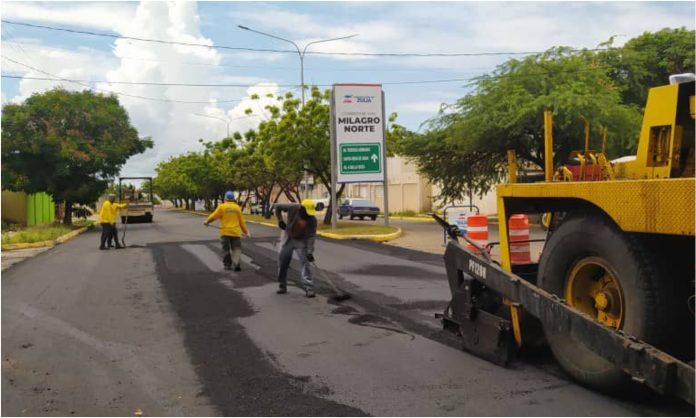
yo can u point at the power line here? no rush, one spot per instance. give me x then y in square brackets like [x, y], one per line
[387, 83]
[287, 51]
[82, 83]
[149, 83]
[133, 38]
[255, 67]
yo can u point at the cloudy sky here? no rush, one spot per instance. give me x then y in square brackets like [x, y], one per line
[414, 86]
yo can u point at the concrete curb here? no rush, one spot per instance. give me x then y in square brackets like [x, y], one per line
[50, 243]
[374, 237]
[411, 218]
[22, 245]
[192, 212]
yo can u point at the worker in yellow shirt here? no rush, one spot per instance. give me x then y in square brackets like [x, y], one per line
[232, 226]
[107, 218]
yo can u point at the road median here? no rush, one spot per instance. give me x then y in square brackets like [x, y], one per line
[345, 230]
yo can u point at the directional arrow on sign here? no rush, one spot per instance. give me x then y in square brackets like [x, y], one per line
[374, 158]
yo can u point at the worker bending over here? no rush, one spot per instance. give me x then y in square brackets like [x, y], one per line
[232, 226]
[107, 218]
[298, 234]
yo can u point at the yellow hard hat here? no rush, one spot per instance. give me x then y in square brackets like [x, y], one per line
[309, 206]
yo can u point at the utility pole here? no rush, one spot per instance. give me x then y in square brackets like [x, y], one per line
[301, 53]
[226, 120]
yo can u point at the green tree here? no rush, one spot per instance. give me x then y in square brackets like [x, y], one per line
[298, 139]
[464, 148]
[69, 144]
[648, 60]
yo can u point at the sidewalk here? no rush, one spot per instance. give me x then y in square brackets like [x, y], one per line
[14, 253]
[12, 257]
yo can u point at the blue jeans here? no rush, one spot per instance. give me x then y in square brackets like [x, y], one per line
[285, 257]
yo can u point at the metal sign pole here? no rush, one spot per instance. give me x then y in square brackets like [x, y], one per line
[385, 182]
[333, 160]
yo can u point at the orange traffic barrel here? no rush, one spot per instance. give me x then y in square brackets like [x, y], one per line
[477, 231]
[518, 230]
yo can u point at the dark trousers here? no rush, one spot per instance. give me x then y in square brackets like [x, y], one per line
[105, 235]
[109, 234]
[231, 250]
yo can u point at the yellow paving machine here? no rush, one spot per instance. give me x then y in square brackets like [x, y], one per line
[613, 289]
[141, 204]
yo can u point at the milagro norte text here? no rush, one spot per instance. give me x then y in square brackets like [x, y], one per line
[359, 124]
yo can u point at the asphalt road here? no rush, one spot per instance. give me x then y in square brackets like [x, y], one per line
[160, 328]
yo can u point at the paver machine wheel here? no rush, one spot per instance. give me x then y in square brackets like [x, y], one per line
[610, 276]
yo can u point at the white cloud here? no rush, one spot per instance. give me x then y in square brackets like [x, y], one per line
[383, 27]
[174, 126]
[461, 27]
[82, 64]
[430, 106]
[102, 15]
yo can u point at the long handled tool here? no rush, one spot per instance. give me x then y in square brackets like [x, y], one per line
[339, 295]
[248, 235]
[125, 228]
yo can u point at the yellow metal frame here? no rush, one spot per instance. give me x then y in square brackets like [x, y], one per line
[656, 206]
[639, 195]
[660, 110]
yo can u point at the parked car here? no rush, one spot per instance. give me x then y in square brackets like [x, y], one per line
[358, 208]
[255, 208]
[325, 201]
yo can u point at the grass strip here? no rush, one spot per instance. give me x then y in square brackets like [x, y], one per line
[40, 233]
[35, 234]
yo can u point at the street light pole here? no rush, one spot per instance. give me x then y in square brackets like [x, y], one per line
[301, 54]
[226, 120]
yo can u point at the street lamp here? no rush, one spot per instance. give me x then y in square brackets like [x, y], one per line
[301, 54]
[227, 121]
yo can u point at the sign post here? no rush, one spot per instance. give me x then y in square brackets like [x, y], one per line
[358, 151]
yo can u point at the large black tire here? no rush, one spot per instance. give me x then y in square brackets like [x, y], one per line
[373, 217]
[148, 217]
[645, 298]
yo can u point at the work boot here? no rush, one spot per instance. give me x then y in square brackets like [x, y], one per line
[309, 293]
[120, 247]
[228, 267]
[237, 268]
[282, 290]
[103, 248]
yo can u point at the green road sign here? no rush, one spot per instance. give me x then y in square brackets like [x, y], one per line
[360, 158]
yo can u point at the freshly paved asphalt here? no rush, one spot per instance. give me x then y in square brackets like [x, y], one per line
[160, 327]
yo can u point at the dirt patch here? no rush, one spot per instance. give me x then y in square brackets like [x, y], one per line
[344, 310]
[406, 272]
